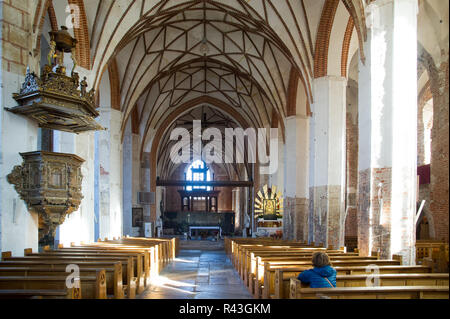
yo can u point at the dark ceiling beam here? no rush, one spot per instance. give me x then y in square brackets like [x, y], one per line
[183, 183]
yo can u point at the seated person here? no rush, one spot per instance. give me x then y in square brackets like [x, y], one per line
[322, 275]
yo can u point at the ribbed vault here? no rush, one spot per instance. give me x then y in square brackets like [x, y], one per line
[181, 35]
[212, 118]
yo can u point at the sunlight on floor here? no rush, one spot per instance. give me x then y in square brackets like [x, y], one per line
[184, 260]
[162, 281]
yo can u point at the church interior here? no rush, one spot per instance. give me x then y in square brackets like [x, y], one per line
[206, 149]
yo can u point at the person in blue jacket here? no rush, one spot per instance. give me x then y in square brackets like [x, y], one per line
[323, 275]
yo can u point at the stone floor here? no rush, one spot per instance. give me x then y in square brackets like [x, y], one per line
[201, 271]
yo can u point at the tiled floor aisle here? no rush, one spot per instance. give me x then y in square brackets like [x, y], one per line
[198, 274]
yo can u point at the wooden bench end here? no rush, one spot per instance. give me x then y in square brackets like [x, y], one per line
[6, 254]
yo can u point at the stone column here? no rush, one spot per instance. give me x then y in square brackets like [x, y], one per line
[145, 184]
[80, 225]
[277, 178]
[237, 209]
[328, 154]
[110, 180]
[127, 181]
[388, 131]
[440, 146]
[295, 217]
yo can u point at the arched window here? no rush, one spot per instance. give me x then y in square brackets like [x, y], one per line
[198, 171]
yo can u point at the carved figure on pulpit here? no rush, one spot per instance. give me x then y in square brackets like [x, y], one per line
[83, 87]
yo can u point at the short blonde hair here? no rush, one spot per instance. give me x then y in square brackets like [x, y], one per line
[320, 259]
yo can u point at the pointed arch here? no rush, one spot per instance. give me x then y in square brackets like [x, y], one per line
[346, 46]
[323, 38]
[81, 33]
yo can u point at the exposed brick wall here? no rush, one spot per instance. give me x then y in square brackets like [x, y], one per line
[292, 93]
[346, 46]
[295, 218]
[351, 223]
[424, 96]
[15, 36]
[135, 121]
[369, 210]
[363, 215]
[114, 85]
[439, 148]
[52, 16]
[323, 38]
[173, 200]
[82, 35]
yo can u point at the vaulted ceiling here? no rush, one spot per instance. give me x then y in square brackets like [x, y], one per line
[240, 53]
[211, 118]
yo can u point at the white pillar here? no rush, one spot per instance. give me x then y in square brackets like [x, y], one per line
[145, 177]
[295, 217]
[127, 180]
[328, 154]
[388, 130]
[79, 226]
[110, 182]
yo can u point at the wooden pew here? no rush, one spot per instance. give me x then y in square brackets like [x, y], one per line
[245, 255]
[167, 247]
[68, 293]
[140, 260]
[114, 280]
[438, 259]
[242, 251]
[386, 292]
[238, 245]
[155, 265]
[432, 279]
[140, 256]
[427, 248]
[92, 287]
[109, 251]
[127, 266]
[258, 280]
[257, 262]
[255, 258]
[278, 288]
[155, 257]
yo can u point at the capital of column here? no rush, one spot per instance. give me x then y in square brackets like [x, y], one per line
[331, 78]
[380, 16]
[297, 117]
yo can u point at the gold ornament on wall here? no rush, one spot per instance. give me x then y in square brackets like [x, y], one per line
[269, 203]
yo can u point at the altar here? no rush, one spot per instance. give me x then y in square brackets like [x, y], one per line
[207, 228]
[199, 200]
[269, 207]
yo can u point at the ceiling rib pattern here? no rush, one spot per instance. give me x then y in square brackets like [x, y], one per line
[214, 118]
[196, 79]
[197, 32]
